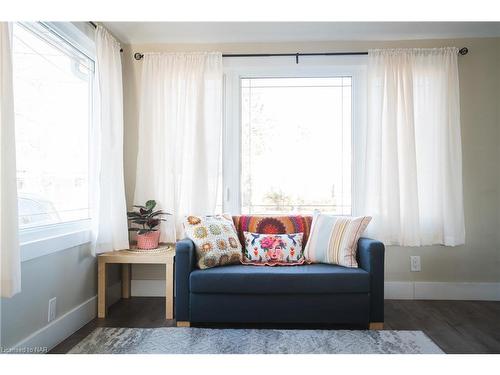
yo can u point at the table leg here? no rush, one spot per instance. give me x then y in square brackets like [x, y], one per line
[126, 280]
[101, 290]
[169, 291]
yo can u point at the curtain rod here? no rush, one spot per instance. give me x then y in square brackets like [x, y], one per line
[138, 55]
[94, 25]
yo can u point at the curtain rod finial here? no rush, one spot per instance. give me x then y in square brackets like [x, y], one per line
[463, 51]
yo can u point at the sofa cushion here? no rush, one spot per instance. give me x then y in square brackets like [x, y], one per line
[306, 279]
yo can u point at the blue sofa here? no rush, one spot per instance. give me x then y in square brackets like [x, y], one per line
[315, 293]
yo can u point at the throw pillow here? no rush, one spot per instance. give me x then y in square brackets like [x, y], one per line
[273, 249]
[334, 239]
[215, 240]
[273, 225]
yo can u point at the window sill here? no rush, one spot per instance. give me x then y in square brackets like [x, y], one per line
[52, 240]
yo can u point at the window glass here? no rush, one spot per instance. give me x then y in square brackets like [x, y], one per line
[296, 145]
[53, 112]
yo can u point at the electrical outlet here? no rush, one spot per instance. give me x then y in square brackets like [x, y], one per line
[52, 309]
[415, 263]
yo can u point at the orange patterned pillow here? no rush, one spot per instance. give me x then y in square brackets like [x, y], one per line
[273, 225]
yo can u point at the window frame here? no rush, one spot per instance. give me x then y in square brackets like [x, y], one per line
[285, 67]
[46, 239]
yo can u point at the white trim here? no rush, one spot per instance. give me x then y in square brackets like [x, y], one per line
[38, 248]
[147, 288]
[79, 36]
[458, 291]
[231, 143]
[41, 241]
[472, 291]
[52, 230]
[61, 328]
[398, 290]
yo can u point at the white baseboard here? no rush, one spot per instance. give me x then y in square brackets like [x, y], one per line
[148, 288]
[59, 329]
[442, 290]
[399, 290]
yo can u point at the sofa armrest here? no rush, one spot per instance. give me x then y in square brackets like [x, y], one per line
[371, 259]
[185, 259]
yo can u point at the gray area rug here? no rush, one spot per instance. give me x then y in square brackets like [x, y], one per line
[252, 341]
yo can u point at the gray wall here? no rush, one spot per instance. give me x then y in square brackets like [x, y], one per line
[70, 275]
[479, 258]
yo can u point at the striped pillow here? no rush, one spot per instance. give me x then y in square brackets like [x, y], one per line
[334, 239]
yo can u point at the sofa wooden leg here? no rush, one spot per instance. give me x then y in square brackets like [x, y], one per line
[183, 324]
[376, 325]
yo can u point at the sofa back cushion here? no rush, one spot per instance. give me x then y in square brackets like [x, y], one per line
[273, 225]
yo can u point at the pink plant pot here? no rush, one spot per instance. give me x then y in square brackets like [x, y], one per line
[149, 240]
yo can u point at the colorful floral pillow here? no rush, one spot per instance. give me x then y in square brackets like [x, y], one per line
[273, 225]
[215, 239]
[273, 249]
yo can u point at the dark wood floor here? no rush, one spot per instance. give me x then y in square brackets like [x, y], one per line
[456, 326]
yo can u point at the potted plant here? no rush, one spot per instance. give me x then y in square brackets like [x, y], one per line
[148, 221]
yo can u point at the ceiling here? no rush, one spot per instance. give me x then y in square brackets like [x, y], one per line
[248, 32]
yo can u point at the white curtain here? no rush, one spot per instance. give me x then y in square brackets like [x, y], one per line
[110, 231]
[413, 185]
[179, 135]
[10, 263]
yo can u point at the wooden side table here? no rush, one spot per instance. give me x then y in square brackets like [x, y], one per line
[126, 258]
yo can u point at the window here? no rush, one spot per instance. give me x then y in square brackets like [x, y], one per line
[53, 112]
[296, 144]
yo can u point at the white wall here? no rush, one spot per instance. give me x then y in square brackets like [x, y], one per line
[479, 259]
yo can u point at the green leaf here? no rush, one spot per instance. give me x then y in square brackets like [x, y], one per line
[150, 205]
